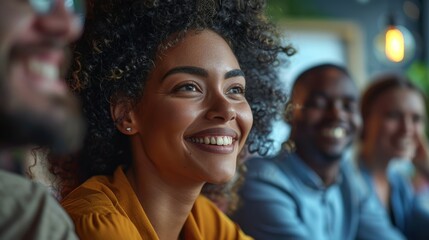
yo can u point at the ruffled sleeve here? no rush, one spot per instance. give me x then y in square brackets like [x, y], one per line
[105, 226]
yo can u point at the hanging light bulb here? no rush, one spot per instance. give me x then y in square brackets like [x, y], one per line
[394, 44]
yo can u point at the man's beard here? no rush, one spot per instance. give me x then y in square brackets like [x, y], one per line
[25, 126]
[335, 156]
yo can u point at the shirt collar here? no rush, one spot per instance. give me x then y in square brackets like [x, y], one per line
[304, 173]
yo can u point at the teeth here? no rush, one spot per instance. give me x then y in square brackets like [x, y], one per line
[404, 143]
[219, 140]
[337, 132]
[215, 140]
[48, 71]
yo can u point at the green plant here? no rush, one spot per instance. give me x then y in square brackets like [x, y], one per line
[418, 72]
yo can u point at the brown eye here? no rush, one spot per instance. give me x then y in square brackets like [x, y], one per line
[187, 87]
[393, 115]
[417, 118]
[317, 102]
[351, 106]
[236, 90]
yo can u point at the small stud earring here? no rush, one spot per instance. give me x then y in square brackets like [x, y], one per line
[128, 129]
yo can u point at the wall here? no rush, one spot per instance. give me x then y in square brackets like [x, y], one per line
[370, 15]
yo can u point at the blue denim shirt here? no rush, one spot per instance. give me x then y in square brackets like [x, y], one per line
[282, 198]
[409, 210]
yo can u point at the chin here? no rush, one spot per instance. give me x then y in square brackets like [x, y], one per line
[402, 154]
[332, 156]
[221, 176]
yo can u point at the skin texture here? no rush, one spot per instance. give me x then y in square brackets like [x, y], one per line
[324, 99]
[35, 109]
[395, 124]
[197, 102]
[207, 95]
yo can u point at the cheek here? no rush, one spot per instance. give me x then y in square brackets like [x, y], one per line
[245, 116]
[16, 24]
[244, 119]
[312, 117]
[173, 116]
[356, 121]
[388, 127]
[420, 129]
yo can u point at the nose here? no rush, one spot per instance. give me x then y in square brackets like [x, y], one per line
[221, 109]
[60, 23]
[337, 111]
[407, 125]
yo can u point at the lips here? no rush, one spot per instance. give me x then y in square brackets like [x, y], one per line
[39, 65]
[215, 140]
[334, 132]
[45, 70]
[403, 143]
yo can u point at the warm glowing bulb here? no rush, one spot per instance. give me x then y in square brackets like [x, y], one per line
[395, 45]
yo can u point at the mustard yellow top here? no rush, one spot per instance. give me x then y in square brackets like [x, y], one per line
[106, 207]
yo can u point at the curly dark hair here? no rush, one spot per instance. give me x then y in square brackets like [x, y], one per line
[117, 51]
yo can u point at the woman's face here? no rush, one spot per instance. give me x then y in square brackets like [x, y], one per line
[395, 122]
[193, 118]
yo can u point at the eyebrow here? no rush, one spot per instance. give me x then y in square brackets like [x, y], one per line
[200, 72]
[234, 73]
[186, 69]
[350, 97]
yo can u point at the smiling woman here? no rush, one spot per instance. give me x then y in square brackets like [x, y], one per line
[393, 111]
[168, 89]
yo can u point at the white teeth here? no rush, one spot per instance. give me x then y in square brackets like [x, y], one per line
[217, 140]
[46, 70]
[404, 143]
[336, 132]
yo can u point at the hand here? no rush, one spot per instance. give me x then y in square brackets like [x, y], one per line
[421, 157]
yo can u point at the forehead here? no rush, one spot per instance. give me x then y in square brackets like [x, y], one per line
[403, 99]
[329, 82]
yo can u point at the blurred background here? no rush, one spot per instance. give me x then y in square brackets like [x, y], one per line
[367, 36]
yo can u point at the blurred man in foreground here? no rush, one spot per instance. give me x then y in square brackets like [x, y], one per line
[36, 108]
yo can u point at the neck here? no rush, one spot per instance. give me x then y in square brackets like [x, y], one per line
[167, 202]
[326, 169]
[12, 159]
[373, 162]
[382, 187]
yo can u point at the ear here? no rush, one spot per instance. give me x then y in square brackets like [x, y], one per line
[124, 117]
[288, 111]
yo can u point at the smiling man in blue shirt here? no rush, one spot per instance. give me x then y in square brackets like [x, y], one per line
[313, 192]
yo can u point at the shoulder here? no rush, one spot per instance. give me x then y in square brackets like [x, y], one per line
[92, 196]
[213, 223]
[27, 208]
[355, 182]
[267, 176]
[97, 213]
[98, 225]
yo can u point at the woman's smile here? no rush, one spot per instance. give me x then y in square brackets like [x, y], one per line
[215, 140]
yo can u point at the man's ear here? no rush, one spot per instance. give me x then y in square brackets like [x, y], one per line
[123, 115]
[288, 112]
